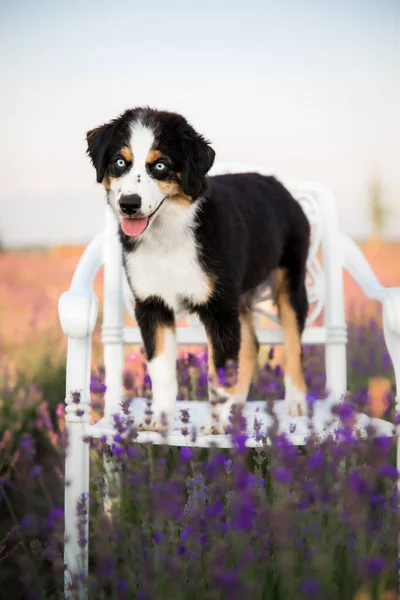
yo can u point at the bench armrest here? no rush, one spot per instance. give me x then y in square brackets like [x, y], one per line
[78, 307]
[357, 265]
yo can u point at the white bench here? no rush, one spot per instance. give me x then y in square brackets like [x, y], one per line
[78, 309]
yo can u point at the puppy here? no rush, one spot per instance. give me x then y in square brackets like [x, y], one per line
[205, 245]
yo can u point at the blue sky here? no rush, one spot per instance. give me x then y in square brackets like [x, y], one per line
[311, 88]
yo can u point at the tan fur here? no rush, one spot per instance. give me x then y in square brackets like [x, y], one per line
[181, 199]
[247, 359]
[248, 354]
[107, 182]
[126, 153]
[169, 188]
[291, 335]
[160, 339]
[212, 373]
[173, 190]
[210, 283]
[153, 155]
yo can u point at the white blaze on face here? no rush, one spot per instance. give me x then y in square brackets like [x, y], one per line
[137, 180]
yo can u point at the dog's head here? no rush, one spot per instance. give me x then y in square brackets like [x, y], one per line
[145, 159]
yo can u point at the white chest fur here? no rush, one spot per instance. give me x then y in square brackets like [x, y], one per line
[165, 264]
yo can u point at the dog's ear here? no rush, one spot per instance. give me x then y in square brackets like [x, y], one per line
[98, 141]
[198, 158]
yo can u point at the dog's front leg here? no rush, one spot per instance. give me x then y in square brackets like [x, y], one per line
[157, 326]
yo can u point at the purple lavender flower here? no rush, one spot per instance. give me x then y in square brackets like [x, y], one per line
[107, 566]
[344, 410]
[282, 475]
[117, 450]
[214, 510]
[358, 483]
[76, 397]
[239, 441]
[384, 444]
[372, 566]
[35, 472]
[309, 587]
[389, 471]
[185, 453]
[185, 533]
[157, 537]
[27, 446]
[316, 460]
[28, 522]
[228, 466]
[227, 580]
[97, 386]
[122, 586]
[55, 515]
[131, 451]
[244, 511]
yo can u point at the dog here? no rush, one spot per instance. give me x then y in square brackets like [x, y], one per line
[202, 244]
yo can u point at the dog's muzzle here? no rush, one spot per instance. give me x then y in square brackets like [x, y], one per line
[129, 205]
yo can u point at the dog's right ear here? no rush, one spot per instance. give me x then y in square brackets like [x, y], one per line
[98, 141]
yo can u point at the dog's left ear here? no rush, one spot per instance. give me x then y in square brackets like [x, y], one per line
[98, 141]
[198, 160]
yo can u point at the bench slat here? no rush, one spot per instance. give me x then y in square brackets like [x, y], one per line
[197, 336]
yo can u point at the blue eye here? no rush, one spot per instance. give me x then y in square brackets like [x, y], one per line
[159, 166]
[120, 163]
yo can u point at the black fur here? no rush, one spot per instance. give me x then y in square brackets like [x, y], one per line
[252, 224]
[188, 151]
[150, 313]
[248, 226]
[103, 142]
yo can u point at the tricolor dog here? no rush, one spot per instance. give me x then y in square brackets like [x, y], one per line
[205, 245]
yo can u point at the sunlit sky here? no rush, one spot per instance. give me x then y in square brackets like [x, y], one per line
[310, 88]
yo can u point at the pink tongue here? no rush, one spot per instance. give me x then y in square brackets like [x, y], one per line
[134, 227]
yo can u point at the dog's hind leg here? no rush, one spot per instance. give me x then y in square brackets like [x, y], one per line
[232, 358]
[291, 299]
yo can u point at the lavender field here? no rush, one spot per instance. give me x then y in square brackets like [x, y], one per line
[271, 523]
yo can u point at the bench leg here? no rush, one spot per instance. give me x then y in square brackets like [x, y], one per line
[336, 371]
[76, 500]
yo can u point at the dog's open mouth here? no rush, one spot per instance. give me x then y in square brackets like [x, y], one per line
[134, 227]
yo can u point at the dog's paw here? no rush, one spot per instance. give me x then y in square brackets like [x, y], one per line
[153, 425]
[295, 400]
[214, 428]
[157, 422]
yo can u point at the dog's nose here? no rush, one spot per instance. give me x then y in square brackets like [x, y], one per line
[130, 204]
